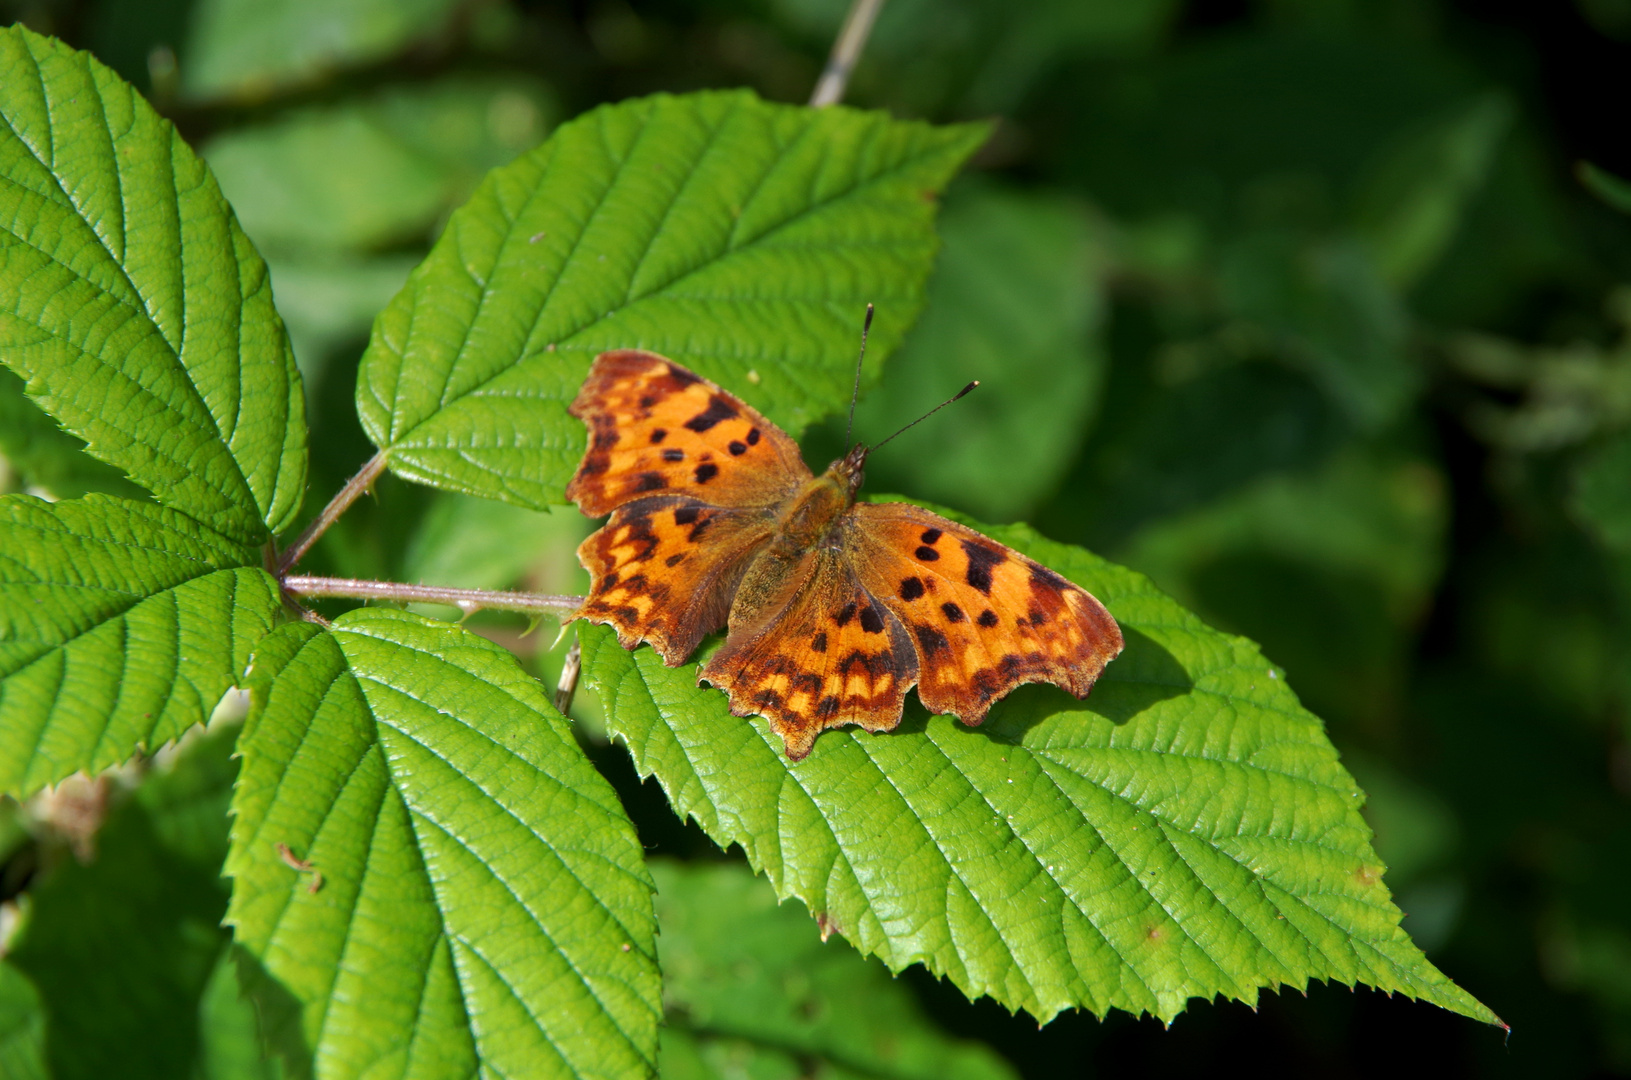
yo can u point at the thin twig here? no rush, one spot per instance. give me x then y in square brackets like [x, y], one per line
[567, 688]
[336, 506]
[466, 600]
[846, 51]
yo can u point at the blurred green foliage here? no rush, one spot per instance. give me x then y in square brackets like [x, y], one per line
[1313, 310]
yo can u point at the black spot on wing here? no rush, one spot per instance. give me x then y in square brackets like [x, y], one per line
[605, 440]
[930, 535]
[927, 554]
[819, 642]
[931, 639]
[686, 515]
[911, 588]
[871, 619]
[737, 448]
[827, 707]
[988, 618]
[753, 437]
[673, 455]
[673, 560]
[706, 472]
[658, 436]
[845, 614]
[650, 481]
[1042, 576]
[681, 377]
[648, 401]
[953, 612]
[980, 561]
[718, 409]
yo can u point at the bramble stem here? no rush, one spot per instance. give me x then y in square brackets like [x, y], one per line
[466, 600]
[846, 51]
[336, 506]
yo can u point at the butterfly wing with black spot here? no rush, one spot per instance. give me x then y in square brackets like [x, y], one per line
[657, 429]
[692, 478]
[983, 617]
[822, 653]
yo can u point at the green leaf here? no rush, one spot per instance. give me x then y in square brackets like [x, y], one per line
[1322, 306]
[740, 238]
[373, 171]
[22, 1027]
[1613, 190]
[121, 625]
[1186, 832]
[248, 48]
[1014, 302]
[131, 302]
[48, 457]
[1602, 491]
[229, 1042]
[121, 948]
[750, 988]
[483, 900]
[1409, 208]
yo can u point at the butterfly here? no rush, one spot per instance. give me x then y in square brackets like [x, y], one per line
[833, 608]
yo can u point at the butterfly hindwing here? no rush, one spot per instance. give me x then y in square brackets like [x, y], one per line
[984, 618]
[828, 654]
[664, 570]
[657, 429]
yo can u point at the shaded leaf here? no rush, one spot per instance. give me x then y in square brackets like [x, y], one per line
[22, 1027]
[1410, 206]
[732, 235]
[751, 988]
[248, 48]
[229, 1043]
[376, 170]
[1605, 185]
[121, 948]
[121, 625]
[131, 302]
[1186, 832]
[1014, 302]
[47, 456]
[1602, 491]
[483, 900]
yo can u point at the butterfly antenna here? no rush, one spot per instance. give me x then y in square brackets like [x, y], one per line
[934, 410]
[849, 436]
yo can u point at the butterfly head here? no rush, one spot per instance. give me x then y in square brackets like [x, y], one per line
[849, 471]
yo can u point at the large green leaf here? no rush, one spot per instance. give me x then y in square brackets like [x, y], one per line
[250, 47]
[1186, 832]
[741, 238]
[132, 303]
[22, 1027]
[750, 988]
[121, 948]
[1014, 302]
[121, 625]
[483, 900]
[1602, 491]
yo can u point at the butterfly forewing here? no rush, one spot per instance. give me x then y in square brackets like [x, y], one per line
[983, 617]
[657, 429]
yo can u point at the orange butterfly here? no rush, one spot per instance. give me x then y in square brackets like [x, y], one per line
[834, 608]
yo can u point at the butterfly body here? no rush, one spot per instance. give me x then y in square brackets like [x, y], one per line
[833, 608]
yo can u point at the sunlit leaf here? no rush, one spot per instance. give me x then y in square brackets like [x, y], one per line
[131, 302]
[483, 903]
[121, 625]
[1186, 832]
[742, 239]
